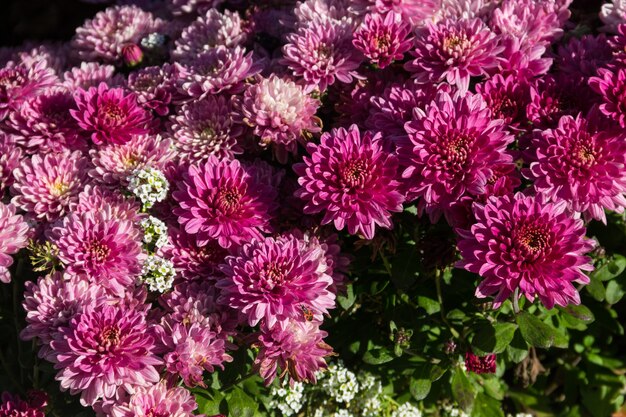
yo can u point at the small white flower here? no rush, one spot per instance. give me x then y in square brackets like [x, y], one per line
[340, 383]
[149, 185]
[288, 400]
[158, 273]
[407, 410]
[154, 231]
[153, 40]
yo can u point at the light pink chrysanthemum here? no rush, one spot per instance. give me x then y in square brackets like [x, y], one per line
[413, 11]
[315, 11]
[274, 279]
[109, 114]
[383, 38]
[155, 87]
[292, 346]
[91, 74]
[191, 350]
[103, 350]
[464, 9]
[206, 127]
[182, 7]
[581, 166]
[280, 112]
[527, 244]
[219, 70]
[52, 302]
[13, 237]
[611, 85]
[109, 200]
[210, 31]
[113, 163]
[14, 406]
[321, 52]
[613, 14]
[352, 180]
[44, 124]
[454, 51]
[53, 54]
[223, 200]
[104, 37]
[451, 150]
[10, 158]
[107, 250]
[46, 185]
[19, 83]
[157, 401]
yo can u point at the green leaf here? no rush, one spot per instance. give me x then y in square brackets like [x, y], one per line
[580, 312]
[493, 338]
[429, 304]
[486, 406]
[241, 404]
[419, 388]
[614, 291]
[596, 289]
[210, 403]
[462, 390]
[378, 356]
[534, 331]
[611, 269]
[346, 301]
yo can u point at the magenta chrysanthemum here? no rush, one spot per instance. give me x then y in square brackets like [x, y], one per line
[383, 39]
[13, 237]
[105, 349]
[206, 127]
[157, 401]
[111, 201]
[292, 346]
[527, 244]
[452, 148]
[223, 200]
[321, 52]
[507, 98]
[46, 185]
[582, 57]
[581, 166]
[154, 87]
[104, 37]
[413, 11]
[280, 112]
[109, 114]
[454, 51]
[10, 158]
[107, 250]
[611, 85]
[352, 180]
[274, 279]
[14, 406]
[52, 302]
[19, 83]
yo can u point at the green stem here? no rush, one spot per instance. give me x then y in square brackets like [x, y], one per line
[516, 301]
[442, 310]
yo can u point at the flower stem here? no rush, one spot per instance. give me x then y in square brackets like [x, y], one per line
[516, 301]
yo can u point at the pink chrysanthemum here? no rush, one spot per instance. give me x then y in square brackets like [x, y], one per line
[13, 237]
[292, 346]
[280, 112]
[113, 163]
[191, 350]
[103, 350]
[52, 302]
[507, 98]
[309, 11]
[452, 148]
[10, 158]
[383, 39]
[581, 57]
[44, 123]
[413, 11]
[182, 7]
[523, 61]
[611, 85]
[613, 14]
[454, 51]
[206, 127]
[109, 200]
[91, 74]
[219, 70]
[14, 406]
[109, 115]
[157, 401]
[480, 364]
[505, 178]
[527, 244]
[107, 250]
[352, 180]
[154, 87]
[321, 52]
[104, 37]
[46, 185]
[274, 279]
[210, 31]
[20, 83]
[223, 200]
[581, 166]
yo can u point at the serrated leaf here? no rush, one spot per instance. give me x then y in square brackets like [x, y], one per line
[462, 390]
[378, 356]
[534, 331]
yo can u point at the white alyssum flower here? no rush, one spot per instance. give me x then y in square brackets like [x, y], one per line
[340, 383]
[407, 410]
[158, 273]
[289, 400]
[149, 185]
[153, 40]
[154, 231]
[369, 397]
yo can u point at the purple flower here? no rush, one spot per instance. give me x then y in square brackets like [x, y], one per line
[507, 98]
[109, 115]
[274, 279]
[154, 87]
[613, 14]
[611, 85]
[105, 349]
[20, 83]
[581, 57]
[13, 236]
[157, 400]
[383, 39]
[182, 7]
[451, 150]
[454, 51]
[223, 200]
[14, 406]
[352, 180]
[581, 166]
[46, 185]
[527, 244]
[10, 158]
[109, 200]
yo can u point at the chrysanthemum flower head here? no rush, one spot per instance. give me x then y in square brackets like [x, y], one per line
[613, 14]
[352, 180]
[581, 57]
[13, 236]
[383, 38]
[157, 400]
[522, 242]
[413, 11]
[611, 86]
[455, 51]
[14, 406]
[10, 158]
[91, 74]
[507, 98]
[109, 115]
[154, 87]
[184, 7]
[20, 82]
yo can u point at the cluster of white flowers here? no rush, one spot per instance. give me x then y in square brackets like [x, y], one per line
[340, 383]
[153, 40]
[454, 412]
[288, 399]
[158, 273]
[369, 398]
[149, 185]
[154, 231]
[407, 410]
